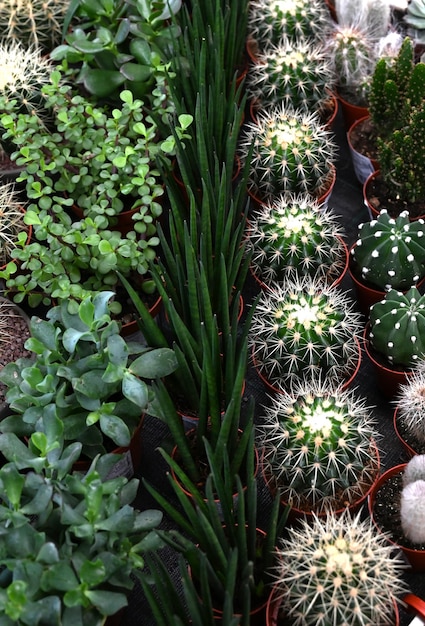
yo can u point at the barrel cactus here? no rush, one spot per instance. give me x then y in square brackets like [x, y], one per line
[338, 570]
[319, 448]
[295, 236]
[33, 22]
[390, 253]
[295, 73]
[397, 327]
[292, 152]
[304, 329]
[412, 502]
[410, 403]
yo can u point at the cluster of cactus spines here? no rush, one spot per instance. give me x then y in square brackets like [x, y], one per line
[371, 16]
[294, 73]
[410, 401]
[7, 336]
[338, 570]
[305, 329]
[390, 252]
[292, 152]
[412, 501]
[397, 327]
[270, 20]
[295, 236]
[318, 444]
[11, 222]
[33, 22]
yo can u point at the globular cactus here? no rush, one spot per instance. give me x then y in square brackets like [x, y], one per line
[33, 22]
[13, 230]
[292, 152]
[270, 20]
[304, 329]
[338, 570]
[318, 445]
[294, 73]
[410, 403]
[414, 470]
[397, 327]
[412, 501]
[295, 236]
[390, 253]
[372, 16]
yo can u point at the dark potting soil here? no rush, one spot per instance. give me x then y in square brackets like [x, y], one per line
[13, 336]
[408, 437]
[363, 139]
[378, 197]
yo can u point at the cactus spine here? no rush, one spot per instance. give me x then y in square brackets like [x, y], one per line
[412, 503]
[13, 230]
[411, 403]
[33, 22]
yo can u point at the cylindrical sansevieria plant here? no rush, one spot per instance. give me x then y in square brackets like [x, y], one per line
[319, 445]
[340, 571]
[295, 236]
[304, 329]
[33, 22]
[291, 152]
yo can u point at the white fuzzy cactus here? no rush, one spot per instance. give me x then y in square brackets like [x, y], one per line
[412, 502]
[410, 401]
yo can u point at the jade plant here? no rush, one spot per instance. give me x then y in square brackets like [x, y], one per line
[338, 570]
[33, 22]
[319, 447]
[397, 327]
[410, 402]
[84, 372]
[412, 510]
[304, 328]
[295, 236]
[13, 230]
[390, 253]
[292, 152]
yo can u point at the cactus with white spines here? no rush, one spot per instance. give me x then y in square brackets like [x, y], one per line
[295, 236]
[292, 152]
[318, 444]
[390, 252]
[293, 73]
[338, 570]
[33, 22]
[12, 226]
[304, 329]
[410, 401]
[397, 327]
[412, 500]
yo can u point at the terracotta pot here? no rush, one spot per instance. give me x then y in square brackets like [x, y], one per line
[410, 451]
[363, 165]
[128, 328]
[251, 47]
[351, 112]
[416, 558]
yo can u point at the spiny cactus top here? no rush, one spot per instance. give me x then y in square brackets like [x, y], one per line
[33, 22]
[303, 330]
[340, 571]
[292, 152]
[317, 444]
[397, 327]
[410, 402]
[294, 73]
[390, 253]
[295, 236]
[412, 503]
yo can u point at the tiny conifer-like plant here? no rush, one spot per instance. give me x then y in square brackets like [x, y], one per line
[33, 22]
[319, 446]
[410, 402]
[339, 571]
[13, 230]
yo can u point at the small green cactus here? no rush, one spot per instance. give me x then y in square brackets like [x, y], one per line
[33, 22]
[390, 253]
[294, 73]
[318, 446]
[340, 571]
[397, 327]
[292, 152]
[412, 501]
[13, 230]
[295, 236]
[410, 403]
[304, 329]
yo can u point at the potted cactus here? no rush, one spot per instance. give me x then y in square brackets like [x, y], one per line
[319, 448]
[409, 414]
[293, 237]
[33, 22]
[14, 233]
[304, 329]
[389, 253]
[336, 570]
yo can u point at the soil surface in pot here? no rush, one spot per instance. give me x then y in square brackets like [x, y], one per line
[363, 139]
[14, 333]
[408, 437]
[378, 197]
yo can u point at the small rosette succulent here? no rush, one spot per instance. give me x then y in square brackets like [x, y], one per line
[338, 570]
[292, 152]
[412, 503]
[319, 448]
[294, 73]
[390, 253]
[411, 403]
[397, 327]
[304, 329]
[293, 237]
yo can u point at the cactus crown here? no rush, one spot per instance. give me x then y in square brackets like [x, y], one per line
[338, 570]
[270, 20]
[292, 152]
[390, 253]
[303, 330]
[293, 237]
[411, 402]
[397, 327]
[33, 22]
[318, 446]
[295, 73]
[412, 501]
[11, 222]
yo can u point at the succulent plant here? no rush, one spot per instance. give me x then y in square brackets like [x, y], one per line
[269, 20]
[414, 469]
[390, 253]
[410, 402]
[415, 19]
[397, 327]
[372, 16]
[294, 73]
[295, 236]
[33, 22]
[292, 152]
[304, 329]
[412, 500]
[339, 570]
[13, 230]
[318, 445]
